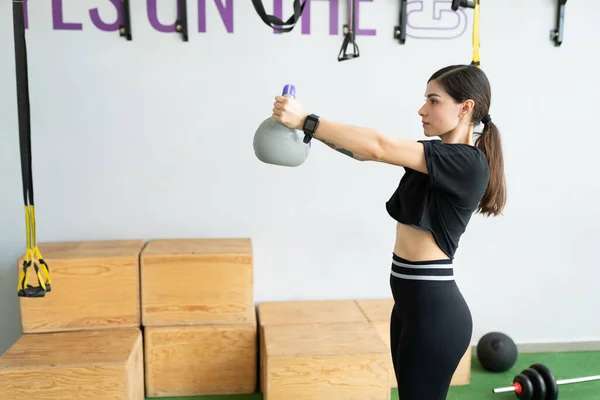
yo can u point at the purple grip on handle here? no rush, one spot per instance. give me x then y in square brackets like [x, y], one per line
[289, 89]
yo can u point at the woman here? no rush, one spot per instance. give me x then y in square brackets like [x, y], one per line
[445, 181]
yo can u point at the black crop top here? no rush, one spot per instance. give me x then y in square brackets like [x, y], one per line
[442, 201]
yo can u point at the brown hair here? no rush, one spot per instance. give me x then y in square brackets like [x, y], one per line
[463, 82]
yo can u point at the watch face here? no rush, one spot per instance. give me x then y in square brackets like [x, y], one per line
[310, 124]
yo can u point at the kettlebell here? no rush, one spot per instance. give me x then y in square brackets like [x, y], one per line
[275, 143]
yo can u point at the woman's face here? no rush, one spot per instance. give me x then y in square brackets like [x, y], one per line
[440, 114]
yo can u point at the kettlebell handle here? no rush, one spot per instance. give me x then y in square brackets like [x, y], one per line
[289, 90]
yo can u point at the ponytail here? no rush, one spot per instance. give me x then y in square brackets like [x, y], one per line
[494, 199]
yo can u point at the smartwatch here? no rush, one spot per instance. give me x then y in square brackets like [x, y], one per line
[310, 126]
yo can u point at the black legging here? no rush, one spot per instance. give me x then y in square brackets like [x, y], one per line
[430, 327]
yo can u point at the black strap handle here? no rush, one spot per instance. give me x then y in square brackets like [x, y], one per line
[349, 36]
[275, 22]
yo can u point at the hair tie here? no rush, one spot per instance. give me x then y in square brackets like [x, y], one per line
[486, 119]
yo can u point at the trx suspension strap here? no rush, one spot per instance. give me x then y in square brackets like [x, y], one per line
[274, 22]
[557, 34]
[349, 34]
[125, 27]
[400, 29]
[456, 4]
[181, 25]
[476, 55]
[33, 255]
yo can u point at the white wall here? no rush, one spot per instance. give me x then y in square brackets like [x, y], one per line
[319, 231]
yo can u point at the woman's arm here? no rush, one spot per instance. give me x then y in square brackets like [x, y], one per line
[358, 146]
[343, 138]
[367, 144]
[345, 152]
[363, 144]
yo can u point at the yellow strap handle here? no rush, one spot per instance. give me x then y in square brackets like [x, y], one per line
[33, 257]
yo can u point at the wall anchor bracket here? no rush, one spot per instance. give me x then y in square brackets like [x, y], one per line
[556, 35]
[125, 27]
[181, 25]
[400, 29]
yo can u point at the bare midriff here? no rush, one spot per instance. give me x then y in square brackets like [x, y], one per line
[416, 245]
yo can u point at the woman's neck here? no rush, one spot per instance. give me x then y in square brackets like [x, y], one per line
[462, 134]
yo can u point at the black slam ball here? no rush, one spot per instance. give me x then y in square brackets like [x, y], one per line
[496, 352]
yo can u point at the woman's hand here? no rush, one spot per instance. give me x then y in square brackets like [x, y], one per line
[289, 111]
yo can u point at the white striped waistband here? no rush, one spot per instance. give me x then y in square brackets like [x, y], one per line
[437, 270]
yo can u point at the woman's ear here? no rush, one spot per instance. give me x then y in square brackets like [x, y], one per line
[468, 106]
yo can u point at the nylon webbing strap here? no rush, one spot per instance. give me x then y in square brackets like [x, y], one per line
[476, 60]
[349, 35]
[557, 34]
[275, 22]
[32, 256]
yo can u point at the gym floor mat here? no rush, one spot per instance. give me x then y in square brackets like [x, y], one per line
[563, 365]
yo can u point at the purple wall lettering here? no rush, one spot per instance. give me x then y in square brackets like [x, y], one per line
[359, 30]
[305, 18]
[58, 19]
[278, 11]
[103, 26]
[153, 17]
[434, 19]
[333, 17]
[225, 11]
[426, 19]
[26, 14]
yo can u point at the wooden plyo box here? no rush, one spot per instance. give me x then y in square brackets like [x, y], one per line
[462, 375]
[95, 285]
[309, 312]
[201, 359]
[303, 312]
[378, 312]
[81, 365]
[197, 281]
[328, 361]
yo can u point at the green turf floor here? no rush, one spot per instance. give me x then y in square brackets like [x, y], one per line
[564, 366]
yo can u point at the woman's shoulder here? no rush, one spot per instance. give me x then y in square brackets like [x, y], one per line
[460, 161]
[462, 150]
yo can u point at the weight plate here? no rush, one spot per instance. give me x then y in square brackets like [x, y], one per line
[526, 387]
[537, 380]
[551, 386]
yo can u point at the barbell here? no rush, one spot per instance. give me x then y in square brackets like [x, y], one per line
[538, 383]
